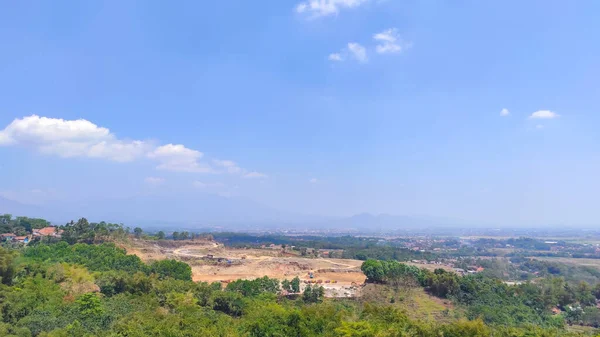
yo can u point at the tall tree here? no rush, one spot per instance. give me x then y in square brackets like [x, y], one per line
[295, 284]
[5, 219]
[7, 269]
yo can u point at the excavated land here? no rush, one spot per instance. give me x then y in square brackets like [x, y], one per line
[213, 262]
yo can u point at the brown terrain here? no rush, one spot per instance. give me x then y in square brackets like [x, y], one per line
[212, 262]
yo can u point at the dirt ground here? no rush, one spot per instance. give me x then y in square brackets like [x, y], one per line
[212, 262]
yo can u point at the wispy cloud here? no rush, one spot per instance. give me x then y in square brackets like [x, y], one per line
[336, 57]
[231, 167]
[82, 138]
[358, 52]
[539, 126]
[313, 180]
[390, 42]
[353, 50]
[228, 165]
[544, 114]
[504, 112]
[318, 8]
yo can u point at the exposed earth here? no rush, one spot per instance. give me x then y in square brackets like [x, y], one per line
[212, 262]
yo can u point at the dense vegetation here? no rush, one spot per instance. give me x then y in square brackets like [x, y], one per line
[52, 294]
[84, 284]
[359, 248]
[20, 225]
[496, 302]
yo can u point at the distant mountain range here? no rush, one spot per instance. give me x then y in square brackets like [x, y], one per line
[207, 210]
[16, 208]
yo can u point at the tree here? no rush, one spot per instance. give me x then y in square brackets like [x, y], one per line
[175, 235]
[90, 305]
[597, 291]
[138, 232]
[113, 282]
[7, 269]
[442, 283]
[307, 294]
[584, 295]
[373, 270]
[254, 287]
[160, 235]
[230, 303]
[172, 268]
[184, 235]
[286, 285]
[574, 315]
[313, 294]
[81, 231]
[20, 230]
[5, 219]
[295, 285]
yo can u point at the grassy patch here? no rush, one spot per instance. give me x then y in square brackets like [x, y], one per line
[413, 300]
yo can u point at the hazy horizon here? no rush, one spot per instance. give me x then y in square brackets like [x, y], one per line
[483, 113]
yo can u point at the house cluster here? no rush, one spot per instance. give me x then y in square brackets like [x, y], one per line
[469, 270]
[11, 237]
[429, 244]
[48, 231]
[42, 232]
[448, 263]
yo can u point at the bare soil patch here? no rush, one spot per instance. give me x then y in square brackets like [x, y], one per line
[212, 262]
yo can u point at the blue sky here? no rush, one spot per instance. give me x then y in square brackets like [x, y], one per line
[331, 108]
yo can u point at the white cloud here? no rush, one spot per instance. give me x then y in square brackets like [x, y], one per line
[82, 138]
[317, 8]
[337, 57]
[544, 114]
[5, 139]
[178, 158]
[199, 184]
[504, 112]
[228, 165]
[232, 168]
[390, 42]
[358, 52]
[70, 138]
[313, 180]
[118, 150]
[539, 126]
[154, 181]
[252, 175]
